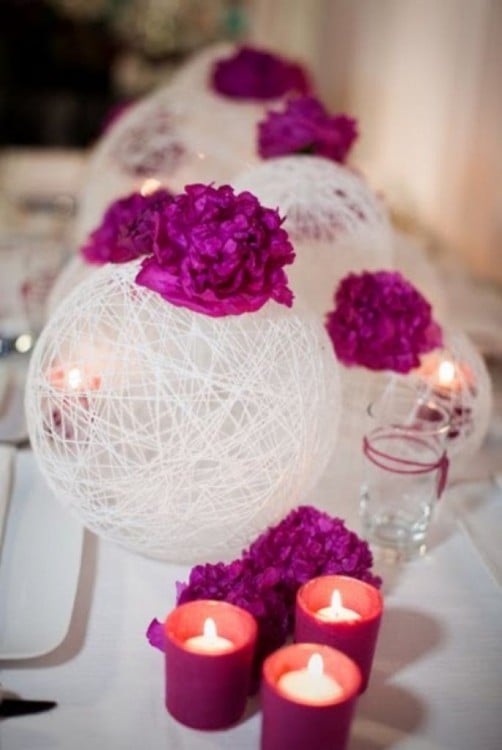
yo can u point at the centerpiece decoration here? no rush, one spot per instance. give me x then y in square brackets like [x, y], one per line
[181, 134]
[304, 126]
[333, 217]
[381, 327]
[265, 579]
[208, 407]
[124, 233]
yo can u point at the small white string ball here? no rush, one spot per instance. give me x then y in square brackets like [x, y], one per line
[175, 434]
[171, 138]
[457, 377]
[411, 259]
[335, 221]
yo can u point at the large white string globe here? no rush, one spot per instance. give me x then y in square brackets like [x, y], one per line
[175, 434]
[335, 221]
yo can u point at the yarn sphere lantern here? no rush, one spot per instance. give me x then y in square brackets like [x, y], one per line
[169, 138]
[179, 435]
[457, 377]
[412, 260]
[180, 134]
[335, 221]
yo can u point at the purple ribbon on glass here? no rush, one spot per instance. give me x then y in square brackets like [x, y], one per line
[399, 465]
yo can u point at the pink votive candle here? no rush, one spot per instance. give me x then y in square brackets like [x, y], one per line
[341, 612]
[209, 653]
[308, 693]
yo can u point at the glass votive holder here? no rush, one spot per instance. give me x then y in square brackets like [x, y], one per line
[405, 467]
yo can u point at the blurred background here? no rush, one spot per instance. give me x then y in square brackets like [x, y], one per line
[422, 77]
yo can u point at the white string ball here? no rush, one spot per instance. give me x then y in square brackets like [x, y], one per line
[457, 377]
[174, 137]
[336, 222]
[71, 275]
[412, 260]
[175, 434]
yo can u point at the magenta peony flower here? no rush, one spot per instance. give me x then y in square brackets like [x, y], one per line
[256, 74]
[218, 253]
[382, 322]
[126, 230]
[304, 126]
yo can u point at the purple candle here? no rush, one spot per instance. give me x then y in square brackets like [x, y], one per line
[341, 612]
[208, 657]
[309, 693]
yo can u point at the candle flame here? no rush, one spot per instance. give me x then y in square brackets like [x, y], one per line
[74, 378]
[446, 372]
[336, 602]
[315, 665]
[149, 186]
[209, 629]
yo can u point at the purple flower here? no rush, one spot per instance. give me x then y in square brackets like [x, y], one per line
[218, 253]
[256, 74]
[304, 126]
[156, 636]
[126, 230]
[382, 322]
[306, 544]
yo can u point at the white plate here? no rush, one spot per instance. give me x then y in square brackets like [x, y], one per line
[39, 566]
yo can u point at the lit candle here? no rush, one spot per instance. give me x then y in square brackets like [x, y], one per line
[74, 379]
[70, 407]
[336, 611]
[150, 186]
[209, 651]
[308, 696]
[351, 627]
[209, 642]
[310, 685]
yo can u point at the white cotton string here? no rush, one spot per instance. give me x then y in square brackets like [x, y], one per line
[186, 435]
[337, 224]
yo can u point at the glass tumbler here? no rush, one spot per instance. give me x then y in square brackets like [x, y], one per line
[405, 469]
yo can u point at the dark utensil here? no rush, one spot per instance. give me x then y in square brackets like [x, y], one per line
[20, 707]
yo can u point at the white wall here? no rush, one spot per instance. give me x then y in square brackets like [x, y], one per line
[424, 77]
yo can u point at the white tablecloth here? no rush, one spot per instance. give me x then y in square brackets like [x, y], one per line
[436, 682]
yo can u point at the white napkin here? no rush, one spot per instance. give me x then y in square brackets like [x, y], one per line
[479, 513]
[7, 454]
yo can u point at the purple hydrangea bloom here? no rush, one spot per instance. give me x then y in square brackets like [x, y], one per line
[257, 74]
[381, 322]
[218, 253]
[306, 544]
[304, 126]
[126, 230]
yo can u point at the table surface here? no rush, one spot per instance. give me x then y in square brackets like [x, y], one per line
[436, 681]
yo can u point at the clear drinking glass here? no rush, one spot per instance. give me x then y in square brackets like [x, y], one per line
[404, 469]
